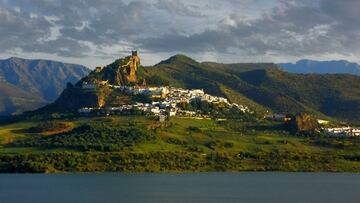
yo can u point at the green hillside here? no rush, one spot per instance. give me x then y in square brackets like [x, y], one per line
[57, 138]
[261, 86]
[140, 144]
[264, 86]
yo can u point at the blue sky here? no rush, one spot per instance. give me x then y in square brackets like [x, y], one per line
[95, 32]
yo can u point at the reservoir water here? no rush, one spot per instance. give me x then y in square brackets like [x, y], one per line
[198, 187]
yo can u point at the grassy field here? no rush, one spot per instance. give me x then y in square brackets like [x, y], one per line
[181, 144]
[12, 132]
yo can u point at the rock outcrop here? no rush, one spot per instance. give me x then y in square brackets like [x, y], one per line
[126, 72]
[303, 123]
[93, 90]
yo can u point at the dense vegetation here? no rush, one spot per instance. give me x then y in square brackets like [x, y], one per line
[49, 126]
[140, 144]
[175, 162]
[95, 136]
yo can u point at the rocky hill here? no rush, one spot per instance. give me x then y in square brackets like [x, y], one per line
[262, 87]
[29, 84]
[93, 89]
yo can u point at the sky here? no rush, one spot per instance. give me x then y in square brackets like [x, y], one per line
[96, 32]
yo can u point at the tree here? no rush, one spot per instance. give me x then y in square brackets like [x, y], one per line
[302, 122]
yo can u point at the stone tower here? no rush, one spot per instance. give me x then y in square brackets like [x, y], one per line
[134, 63]
[127, 70]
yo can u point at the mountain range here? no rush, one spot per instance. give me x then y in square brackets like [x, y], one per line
[264, 87]
[29, 84]
[101, 138]
[331, 67]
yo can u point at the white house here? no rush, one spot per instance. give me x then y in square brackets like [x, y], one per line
[87, 85]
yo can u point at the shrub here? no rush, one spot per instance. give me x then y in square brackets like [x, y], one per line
[48, 126]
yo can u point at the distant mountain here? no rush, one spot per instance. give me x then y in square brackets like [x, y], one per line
[28, 84]
[332, 67]
[262, 87]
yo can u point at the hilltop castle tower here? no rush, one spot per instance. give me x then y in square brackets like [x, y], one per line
[134, 63]
[127, 70]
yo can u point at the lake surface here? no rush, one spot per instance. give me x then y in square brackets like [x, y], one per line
[203, 187]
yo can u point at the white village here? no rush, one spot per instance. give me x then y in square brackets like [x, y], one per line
[167, 101]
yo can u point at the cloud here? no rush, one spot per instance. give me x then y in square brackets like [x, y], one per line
[101, 23]
[345, 12]
[275, 29]
[293, 28]
[16, 27]
[176, 7]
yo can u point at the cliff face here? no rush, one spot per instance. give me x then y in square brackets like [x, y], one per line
[121, 72]
[134, 63]
[126, 72]
[75, 98]
[93, 91]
